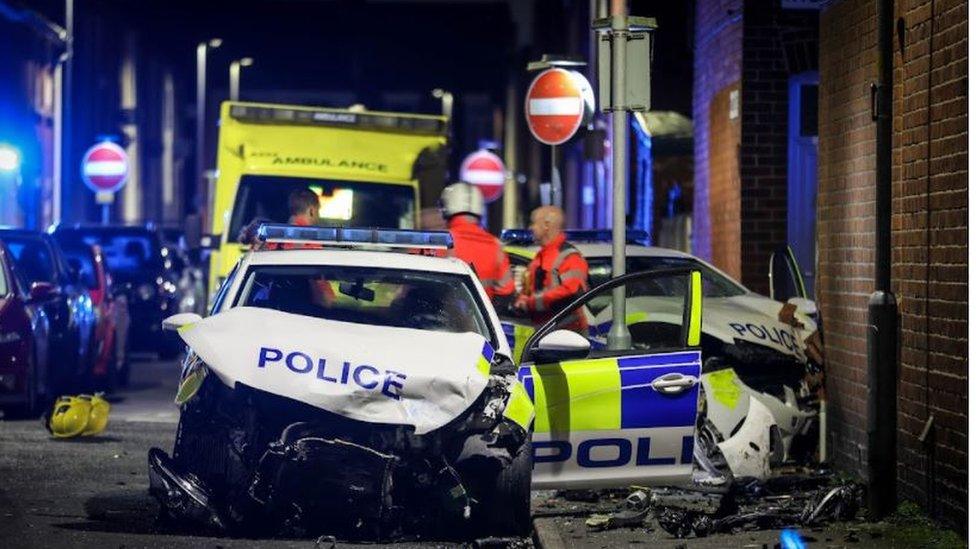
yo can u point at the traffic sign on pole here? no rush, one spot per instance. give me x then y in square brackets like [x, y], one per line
[554, 106]
[105, 167]
[486, 171]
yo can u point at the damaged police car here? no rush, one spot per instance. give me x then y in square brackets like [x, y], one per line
[340, 388]
[762, 356]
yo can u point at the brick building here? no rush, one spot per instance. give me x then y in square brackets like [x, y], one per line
[753, 61]
[929, 240]
[784, 153]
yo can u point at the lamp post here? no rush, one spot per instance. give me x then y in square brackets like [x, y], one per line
[235, 76]
[9, 184]
[202, 48]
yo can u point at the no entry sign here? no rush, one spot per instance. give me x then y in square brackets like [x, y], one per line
[105, 167]
[554, 106]
[486, 171]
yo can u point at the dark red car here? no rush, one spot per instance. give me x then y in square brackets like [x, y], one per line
[24, 340]
[109, 364]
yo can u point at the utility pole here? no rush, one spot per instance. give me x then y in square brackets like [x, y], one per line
[201, 183]
[63, 125]
[625, 53]
[619, 337]
[235, 76]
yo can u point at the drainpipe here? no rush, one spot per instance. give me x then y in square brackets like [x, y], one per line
[882, 336]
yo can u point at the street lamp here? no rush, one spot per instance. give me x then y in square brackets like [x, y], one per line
[9, 159]
[202, 48]
[235, 76]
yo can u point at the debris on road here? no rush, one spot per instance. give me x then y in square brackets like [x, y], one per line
[790, 499]
[79, 415]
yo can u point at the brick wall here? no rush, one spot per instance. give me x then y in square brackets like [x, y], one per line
[929, 261]
[929, 224]
[718, 65]
[751, 48]
[777, 43]
[725, 207]
[845, 218]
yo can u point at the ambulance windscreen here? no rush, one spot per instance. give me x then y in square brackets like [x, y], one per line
[341, 203]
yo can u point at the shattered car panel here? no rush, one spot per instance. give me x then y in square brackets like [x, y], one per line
[337, 366]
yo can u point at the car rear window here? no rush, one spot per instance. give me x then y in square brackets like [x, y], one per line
[32, 259]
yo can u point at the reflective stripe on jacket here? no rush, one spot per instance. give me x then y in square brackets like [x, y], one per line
[556, 276]
[478, 248]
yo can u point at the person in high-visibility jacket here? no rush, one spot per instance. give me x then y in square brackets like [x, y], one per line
[462, 205]
[556, 275]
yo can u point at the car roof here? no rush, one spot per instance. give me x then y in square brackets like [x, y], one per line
[605, 249]
[358, 258]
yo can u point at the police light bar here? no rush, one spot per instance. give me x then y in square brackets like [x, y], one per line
[378, 121]
[352, 237]
[524, 236]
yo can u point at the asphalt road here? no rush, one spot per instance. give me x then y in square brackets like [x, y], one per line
[93, 492]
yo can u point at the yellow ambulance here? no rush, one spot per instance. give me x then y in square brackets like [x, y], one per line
[368, 169]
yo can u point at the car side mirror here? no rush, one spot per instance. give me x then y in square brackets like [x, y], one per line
[560, 345]
[803, 305]
[42, 291]
[177, 321]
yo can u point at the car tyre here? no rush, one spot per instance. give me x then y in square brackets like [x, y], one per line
[505, 509]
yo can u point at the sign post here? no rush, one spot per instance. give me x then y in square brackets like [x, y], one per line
[625, 54]
[485, 170]
[105, 170]
[555, 108]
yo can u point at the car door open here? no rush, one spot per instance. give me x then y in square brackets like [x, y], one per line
[614, 417]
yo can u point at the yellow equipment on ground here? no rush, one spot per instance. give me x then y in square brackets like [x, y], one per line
[369, 169]
[80, 415]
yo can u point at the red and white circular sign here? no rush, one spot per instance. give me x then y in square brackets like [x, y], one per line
[554, 106]
[486, 171]
[105, 167]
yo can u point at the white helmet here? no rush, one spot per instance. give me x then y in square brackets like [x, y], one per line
[459, 198]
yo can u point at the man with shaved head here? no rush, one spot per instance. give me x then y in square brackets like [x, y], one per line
[556, 275]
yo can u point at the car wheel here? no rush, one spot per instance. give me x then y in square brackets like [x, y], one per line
[505, 508]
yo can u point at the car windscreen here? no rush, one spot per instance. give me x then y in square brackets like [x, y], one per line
[441, 302]
[341, 203]
[33, 259]
[80, 254]
[714, 284]
[130, 254]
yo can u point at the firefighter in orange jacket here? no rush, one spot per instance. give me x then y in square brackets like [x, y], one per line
[556, 275]
[462, 206]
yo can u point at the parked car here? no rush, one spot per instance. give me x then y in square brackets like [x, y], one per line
[110, 366]
[24, 341]
[139, 269]
[46, 273]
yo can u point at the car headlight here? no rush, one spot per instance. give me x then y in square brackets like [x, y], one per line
[146, 292]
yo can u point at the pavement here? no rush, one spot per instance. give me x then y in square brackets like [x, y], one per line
[93, 492]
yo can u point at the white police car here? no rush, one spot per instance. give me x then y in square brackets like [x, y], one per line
[340, 388]
[753, 347]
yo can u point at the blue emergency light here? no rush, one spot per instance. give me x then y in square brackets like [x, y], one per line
[524, 236]
[349, 236]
